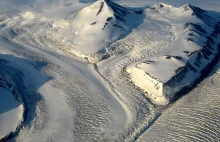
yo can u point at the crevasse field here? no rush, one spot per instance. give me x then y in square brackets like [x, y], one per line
[109, 70]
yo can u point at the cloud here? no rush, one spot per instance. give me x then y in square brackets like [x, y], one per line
[46, 8]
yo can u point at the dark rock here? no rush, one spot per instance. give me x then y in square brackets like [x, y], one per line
[100, 9]
[93, 23]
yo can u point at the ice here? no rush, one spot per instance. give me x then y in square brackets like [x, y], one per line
[87, 70]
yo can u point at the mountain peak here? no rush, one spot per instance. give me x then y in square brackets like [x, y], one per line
[185, 10]
[201, 14]
[102, 23]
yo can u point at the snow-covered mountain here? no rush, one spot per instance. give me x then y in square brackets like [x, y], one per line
[75, 70]
[190, 56]
[86, 34]
[102, 23]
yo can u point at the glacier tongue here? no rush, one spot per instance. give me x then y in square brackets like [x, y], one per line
[135, 62]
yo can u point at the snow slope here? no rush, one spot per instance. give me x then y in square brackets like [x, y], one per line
[65, 100]
[35, 38]
[196, 46]
[10, 112]
[101, 24]
[195, 117]
[70, 100]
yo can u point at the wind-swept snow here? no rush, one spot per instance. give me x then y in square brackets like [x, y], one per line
[100, 24]
[75, 105]
[130, 60]
[195, 117]
[151, 37]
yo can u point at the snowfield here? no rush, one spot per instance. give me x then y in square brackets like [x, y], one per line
[195, 117]
[10, 112]
[196, 45]
[101, 24]
[64, 112]
[102, 70]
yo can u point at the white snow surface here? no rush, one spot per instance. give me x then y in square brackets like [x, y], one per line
[195, 117]
[85, 80]
[64, 109]
[162, 67]
[10, 112]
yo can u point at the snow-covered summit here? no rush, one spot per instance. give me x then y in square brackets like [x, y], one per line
[170, 10]
[101, 24]
[86, 34]
[89, 32]
[196, 47]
